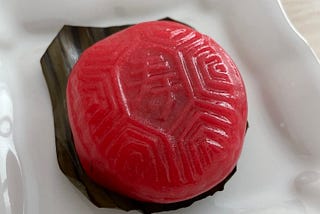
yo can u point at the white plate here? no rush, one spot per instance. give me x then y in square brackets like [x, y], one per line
[279, 168]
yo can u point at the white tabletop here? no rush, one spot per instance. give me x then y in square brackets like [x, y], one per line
[305, 16]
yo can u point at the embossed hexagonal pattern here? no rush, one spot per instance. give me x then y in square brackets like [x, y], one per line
[158, 112]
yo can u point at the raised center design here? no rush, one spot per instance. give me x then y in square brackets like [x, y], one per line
[152, 86]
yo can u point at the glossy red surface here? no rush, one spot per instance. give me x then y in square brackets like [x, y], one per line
[158, 112]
